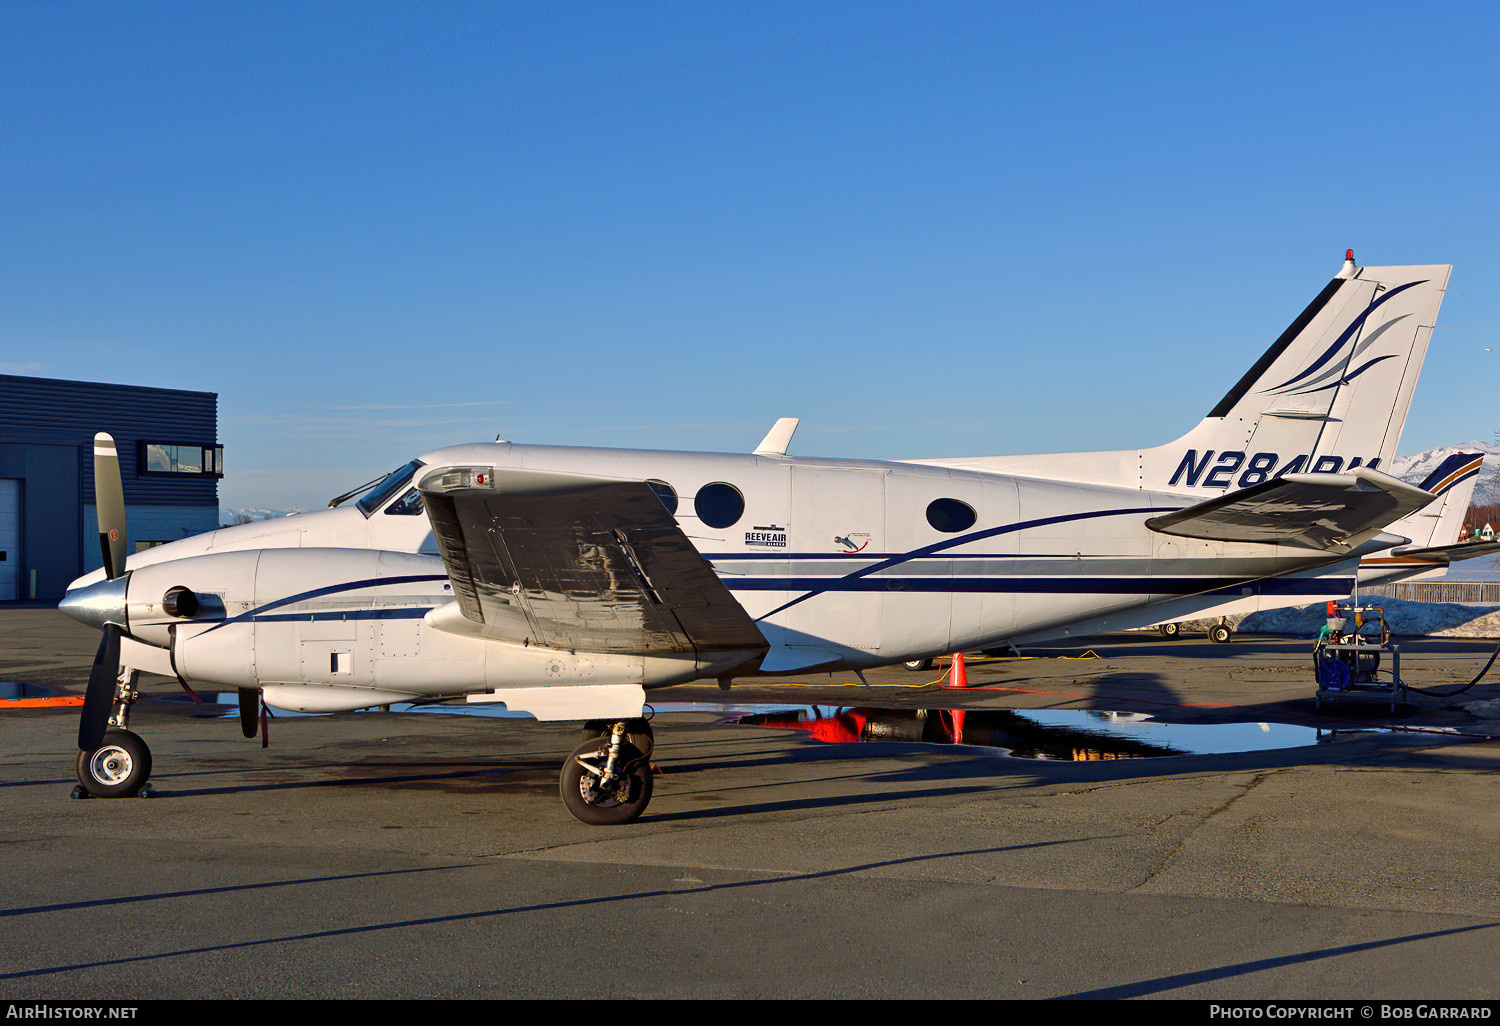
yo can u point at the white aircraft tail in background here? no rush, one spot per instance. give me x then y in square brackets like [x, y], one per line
[1428, 543]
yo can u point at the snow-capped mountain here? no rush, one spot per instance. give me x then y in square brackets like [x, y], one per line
[1486, 489]
[246, 514]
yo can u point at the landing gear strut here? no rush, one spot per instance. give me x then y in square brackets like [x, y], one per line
[607, 780]
[121, 765]
[638, 732]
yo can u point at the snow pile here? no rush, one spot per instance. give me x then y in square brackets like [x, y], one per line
[1480, 568]
[1489, 709]
[1429, 619]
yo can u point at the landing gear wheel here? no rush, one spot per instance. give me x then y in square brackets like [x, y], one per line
[1169, 630]
[637, 732]
[918, 665]
[118, 769]
[592, 800]
[1220, 634]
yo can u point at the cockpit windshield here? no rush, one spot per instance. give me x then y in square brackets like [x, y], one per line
[392, 484]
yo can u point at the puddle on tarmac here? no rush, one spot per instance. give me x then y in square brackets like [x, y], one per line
[1060, 734]
[10, 689]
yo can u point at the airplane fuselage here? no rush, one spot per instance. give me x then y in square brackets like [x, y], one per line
[840, 563]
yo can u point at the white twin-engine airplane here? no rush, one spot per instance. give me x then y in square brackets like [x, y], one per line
[566, 582]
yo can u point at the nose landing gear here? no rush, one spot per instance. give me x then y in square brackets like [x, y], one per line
[121, 766]
[117, 769]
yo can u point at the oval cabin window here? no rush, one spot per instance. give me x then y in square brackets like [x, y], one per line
[666, 493]
[719, 504]
[950, 516]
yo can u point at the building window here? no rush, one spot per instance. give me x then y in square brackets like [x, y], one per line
[180, 458]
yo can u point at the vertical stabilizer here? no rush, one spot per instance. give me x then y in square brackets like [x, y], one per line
[1330, 394]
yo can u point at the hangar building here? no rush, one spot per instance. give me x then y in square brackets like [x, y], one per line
[170, 462]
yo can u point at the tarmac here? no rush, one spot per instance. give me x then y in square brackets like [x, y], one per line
[418, 855]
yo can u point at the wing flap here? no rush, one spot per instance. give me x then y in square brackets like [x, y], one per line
[579, 563]
[1327, 512]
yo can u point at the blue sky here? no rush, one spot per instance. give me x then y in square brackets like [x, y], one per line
[924, 228]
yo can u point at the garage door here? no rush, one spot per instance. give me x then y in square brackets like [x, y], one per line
[10, 539]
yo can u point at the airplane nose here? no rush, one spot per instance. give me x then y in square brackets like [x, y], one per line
[97, 604]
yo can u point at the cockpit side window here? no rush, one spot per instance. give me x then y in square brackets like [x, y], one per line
[394, 482]
[409, 505]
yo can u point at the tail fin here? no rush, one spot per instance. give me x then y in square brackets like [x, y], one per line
[1330, 394]
[1433, 529]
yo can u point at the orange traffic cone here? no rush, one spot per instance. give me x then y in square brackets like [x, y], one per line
[958, 677]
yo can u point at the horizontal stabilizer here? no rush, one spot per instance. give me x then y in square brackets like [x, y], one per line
[576, 563]
[1329, 512]
[1445, 554]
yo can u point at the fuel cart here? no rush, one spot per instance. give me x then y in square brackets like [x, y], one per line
[1348, 654]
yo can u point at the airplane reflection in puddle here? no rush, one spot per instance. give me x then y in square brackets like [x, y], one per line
[1066, 735]
[1059, 734]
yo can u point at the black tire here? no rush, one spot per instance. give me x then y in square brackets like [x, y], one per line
[637, 732]
[918, 665]
[119, 768]
[1220, 634]
[587, 804]
[1169, 630]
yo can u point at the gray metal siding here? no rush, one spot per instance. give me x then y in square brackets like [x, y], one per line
[48, 411]
[47, 432]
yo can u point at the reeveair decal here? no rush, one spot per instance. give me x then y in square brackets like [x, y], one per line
[1218, 470]
[769, 536]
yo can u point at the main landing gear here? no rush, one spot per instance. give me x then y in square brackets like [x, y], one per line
[1220, 633]
[121, 766]
[607, 779]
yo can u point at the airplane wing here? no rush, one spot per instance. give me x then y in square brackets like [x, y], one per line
[578, 563]
[1328, 512]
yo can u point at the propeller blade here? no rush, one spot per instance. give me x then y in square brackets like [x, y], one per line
[98, 700]
[109, 502]
[249, 711]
